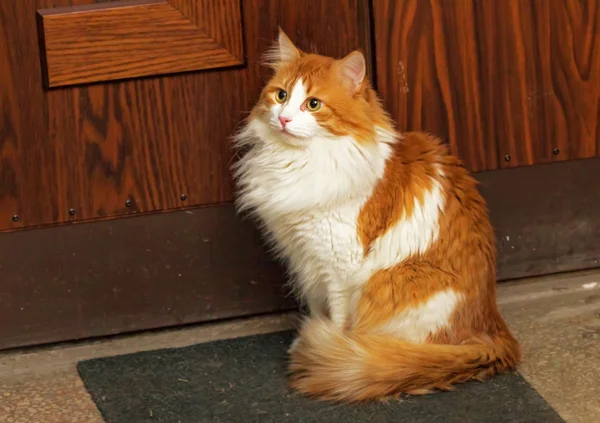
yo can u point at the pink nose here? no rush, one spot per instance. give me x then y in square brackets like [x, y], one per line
[284, 121]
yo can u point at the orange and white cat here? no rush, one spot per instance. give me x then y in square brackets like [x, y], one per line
[386, 236]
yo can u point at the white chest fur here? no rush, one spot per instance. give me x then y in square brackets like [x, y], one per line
[309, 199]
[321, 245]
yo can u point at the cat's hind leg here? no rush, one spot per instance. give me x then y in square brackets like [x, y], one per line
[411, 301]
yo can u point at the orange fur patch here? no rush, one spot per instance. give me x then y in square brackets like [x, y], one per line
[408, 175]
[343, 113]
[464, 254]
[356, 364]
[351, 367]
[391, 291]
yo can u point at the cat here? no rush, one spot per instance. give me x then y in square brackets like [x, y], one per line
[385, 234]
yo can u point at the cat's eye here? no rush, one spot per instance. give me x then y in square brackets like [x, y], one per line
[313, 104]
[280, 96]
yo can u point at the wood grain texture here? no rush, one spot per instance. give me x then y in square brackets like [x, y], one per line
[316, 26]
[542, 78]
[93, 148]
[144, 140]
[147, 140]
[118, 40]
[428, 73]
[508, 83]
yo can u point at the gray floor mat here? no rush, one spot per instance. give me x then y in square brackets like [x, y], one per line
[243, 380]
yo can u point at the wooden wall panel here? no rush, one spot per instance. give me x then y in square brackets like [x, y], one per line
[125, 147]
[542, 75]
[117, 40]
[428, 73]
[83, 152]
[148, 140]
[509, 83]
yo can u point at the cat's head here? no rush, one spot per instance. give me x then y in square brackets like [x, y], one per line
[312, 96]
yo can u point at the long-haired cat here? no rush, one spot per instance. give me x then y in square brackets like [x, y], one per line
[386, 236]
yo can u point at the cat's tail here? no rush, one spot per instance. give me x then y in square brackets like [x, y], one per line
[332, 364]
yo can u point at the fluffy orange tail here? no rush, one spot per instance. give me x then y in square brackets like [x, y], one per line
[332, 364]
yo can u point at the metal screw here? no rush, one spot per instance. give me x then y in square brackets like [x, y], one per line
[555, 151]
[16, 218]
[128, 203]
[507, 158]
[72, 212]
[183, 197]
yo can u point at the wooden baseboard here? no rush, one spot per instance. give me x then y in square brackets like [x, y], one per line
[546, 217]
[115, 276]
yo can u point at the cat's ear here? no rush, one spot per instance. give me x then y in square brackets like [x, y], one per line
[287, 49]
[353, 69]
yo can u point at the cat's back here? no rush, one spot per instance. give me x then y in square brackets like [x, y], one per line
[423, 150]
[425, 194]
[463, 231]
[425, 161]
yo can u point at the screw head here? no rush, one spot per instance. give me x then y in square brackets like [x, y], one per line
[507, 158]
[128, 203]
[16, 218]
[556, 151]
[183, 197]
[72, 212]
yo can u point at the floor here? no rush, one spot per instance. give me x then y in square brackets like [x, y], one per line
[556, 318]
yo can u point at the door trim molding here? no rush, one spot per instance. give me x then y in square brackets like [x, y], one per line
[129, 39]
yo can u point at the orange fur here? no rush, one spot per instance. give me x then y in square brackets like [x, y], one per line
[355, 113]
[359, 365]
[361, 362]
[355, 366]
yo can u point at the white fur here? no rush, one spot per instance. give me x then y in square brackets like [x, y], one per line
[408, 236]
[307, 191]
[415, 324]
[291, 108]
[303, 125]
[308, 200]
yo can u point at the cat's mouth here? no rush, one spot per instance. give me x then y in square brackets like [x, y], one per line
[291, 139]
[289, 134]
[287, 137]
[284, 136]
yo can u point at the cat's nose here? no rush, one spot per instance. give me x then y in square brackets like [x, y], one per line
[284, 121]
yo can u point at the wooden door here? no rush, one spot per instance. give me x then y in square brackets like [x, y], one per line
[509, 84]
[115, 110]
